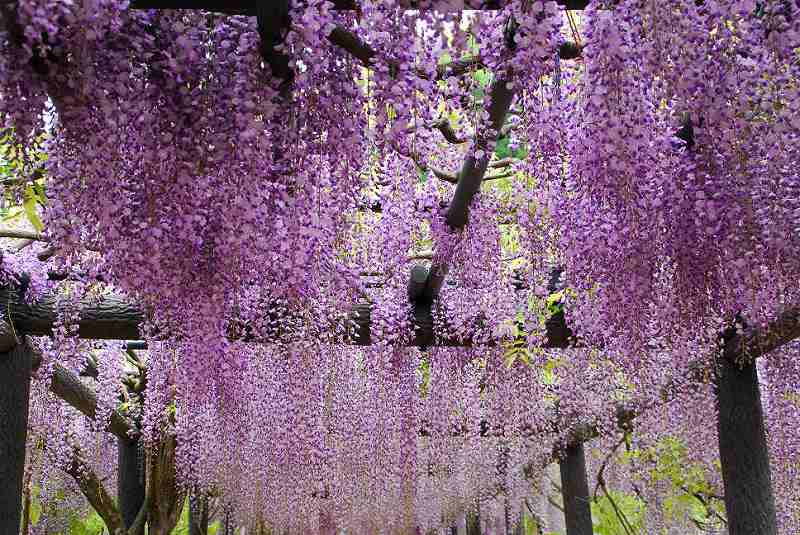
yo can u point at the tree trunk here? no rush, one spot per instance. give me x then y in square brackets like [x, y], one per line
[15, 386]
[575, 492]
[198, 515]
[743, 452]
[166, 498]
[130, 481]
[228, 524]
[474, 523]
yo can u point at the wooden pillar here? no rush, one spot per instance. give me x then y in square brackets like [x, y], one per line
[130, 481]
[15, 386]
[575, 492]
[749, 502]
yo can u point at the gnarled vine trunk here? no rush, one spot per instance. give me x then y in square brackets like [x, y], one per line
[166, 498]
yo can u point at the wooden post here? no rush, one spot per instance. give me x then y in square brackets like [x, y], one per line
[749, 501]
[15, 386]
[575, 491]
[130, 481]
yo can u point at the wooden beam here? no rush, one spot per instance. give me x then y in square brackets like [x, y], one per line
[112, 317]
[109, 317]
[248, 7]
[273, 24]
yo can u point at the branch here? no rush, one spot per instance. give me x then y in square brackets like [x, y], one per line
[705, 502]
[95, 492]
[21, 234]
[623, 519]
[443, 126]
[23, 244]
[364, 53]
[166, 498]
[759, 341]
[69, 388]
[37, 173]
[600, 476]
[422, 255]
[453, 179]
[554, 503]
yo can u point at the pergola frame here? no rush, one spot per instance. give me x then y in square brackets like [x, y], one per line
[743, 450]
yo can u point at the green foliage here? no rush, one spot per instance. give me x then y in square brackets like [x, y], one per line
[689, 495]
[30, 200]
[555, 303]
[606, 520]
[503, 149]
[90, 525]
[692, 495]
[21, 180]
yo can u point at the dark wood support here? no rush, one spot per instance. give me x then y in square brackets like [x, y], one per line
[15, 383]
[575, 491]
[743, 452]
[130, 482]
[273, 25]
[471, 175]
[416, 283]
[248, 7]
[110, 317]
[113, 318]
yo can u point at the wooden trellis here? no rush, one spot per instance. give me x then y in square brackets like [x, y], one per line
[745, 460]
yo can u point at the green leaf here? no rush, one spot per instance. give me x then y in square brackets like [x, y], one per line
[92, 525]
[422, 174]
[30, 209]
[502, 150]
[38, 188]
[482, 76]
[555, 302]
